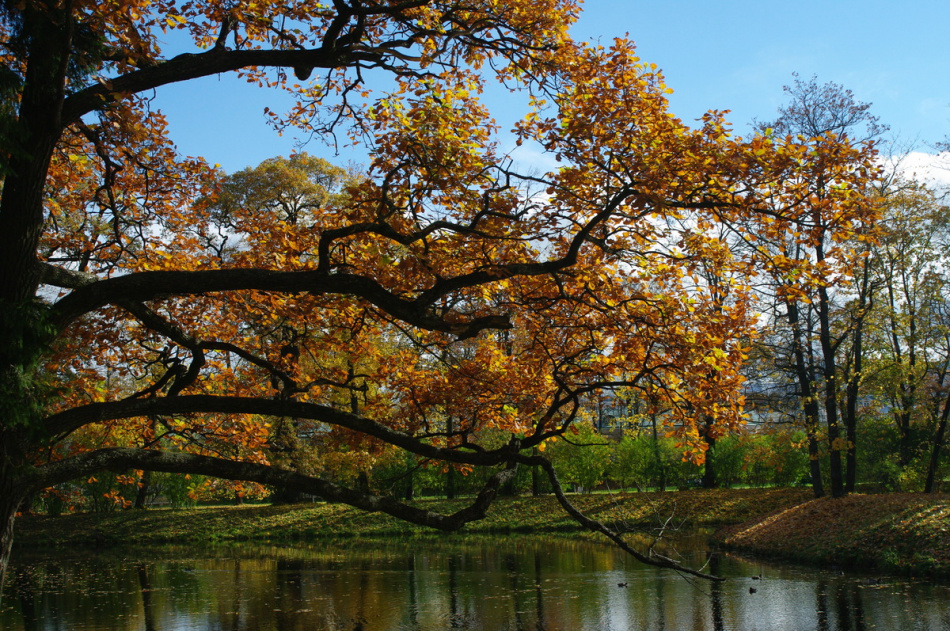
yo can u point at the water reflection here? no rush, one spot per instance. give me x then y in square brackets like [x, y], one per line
[516, 584]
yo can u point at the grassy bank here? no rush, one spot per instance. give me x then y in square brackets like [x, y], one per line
[312, 521]
[892, 533]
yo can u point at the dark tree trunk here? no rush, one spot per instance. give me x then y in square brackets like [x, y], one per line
[451, 489]
[144, 487]
[853, 378]
[535, 475]
[33, 137]
[851, 457]
[709, 468]
[930, 485]
[818, 487]
[510, 487]
[807, 395]
[410, 486]
[362, 482]
[38, 127]
[905, 445]
[829, 371]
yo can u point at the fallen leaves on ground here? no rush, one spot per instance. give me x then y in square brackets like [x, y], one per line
[895, 532]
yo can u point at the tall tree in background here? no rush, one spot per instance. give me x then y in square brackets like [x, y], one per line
[909, 333]
[803, 272]
[135, 338]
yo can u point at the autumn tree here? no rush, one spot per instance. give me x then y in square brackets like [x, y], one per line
[126, 315]
[809, 264]
[909, 328]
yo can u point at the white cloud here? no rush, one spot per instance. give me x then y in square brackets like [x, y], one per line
[930, 168]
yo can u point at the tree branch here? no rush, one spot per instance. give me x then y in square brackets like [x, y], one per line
[123, 459]
[195, 65]
[70, 420]
[596, 526]
[144, 286]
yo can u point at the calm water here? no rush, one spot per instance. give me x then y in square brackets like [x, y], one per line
[434, 584]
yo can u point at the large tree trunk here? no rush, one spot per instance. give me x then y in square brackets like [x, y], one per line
[38, 128]
[807, 395]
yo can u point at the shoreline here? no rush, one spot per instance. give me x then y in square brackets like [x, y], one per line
[906, 534]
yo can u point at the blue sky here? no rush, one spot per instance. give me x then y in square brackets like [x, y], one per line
[715, 55]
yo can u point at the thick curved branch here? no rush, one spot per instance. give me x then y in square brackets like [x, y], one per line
[64, 278]
[70, 420]
[145, 286]
[192, 66]
[123, 459]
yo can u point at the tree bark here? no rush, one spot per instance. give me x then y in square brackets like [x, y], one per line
[34, 135]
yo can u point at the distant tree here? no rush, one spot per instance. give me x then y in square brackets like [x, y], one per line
[803, 272]
[909, 327]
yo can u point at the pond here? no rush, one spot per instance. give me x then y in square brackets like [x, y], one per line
[429, 584]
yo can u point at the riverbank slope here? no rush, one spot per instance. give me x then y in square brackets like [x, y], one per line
[905, 533]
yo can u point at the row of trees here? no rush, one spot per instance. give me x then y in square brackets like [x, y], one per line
[587, 461]
[841, 357]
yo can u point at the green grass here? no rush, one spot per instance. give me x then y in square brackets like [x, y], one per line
[895, 533]
[314, 521]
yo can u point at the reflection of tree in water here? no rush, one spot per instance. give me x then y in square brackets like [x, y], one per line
[413, 592]
[511, 568]
[290, 597]
[821, 603]
[840, 606]
[716, 594]
[145, 587]
[360, 619]
[454, 617]
[850, 606]
[24, 586]
[539, 592]
[519, 585]
[660, 605]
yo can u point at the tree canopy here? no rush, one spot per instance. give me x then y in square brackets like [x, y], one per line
[158, 316]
